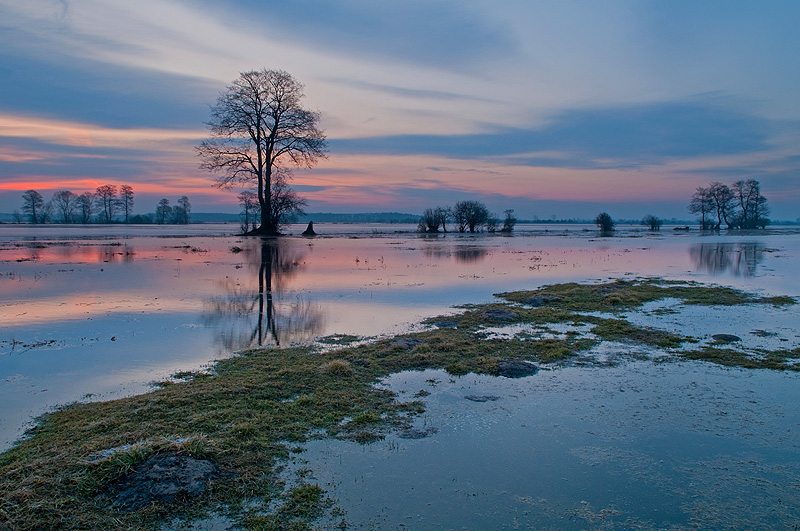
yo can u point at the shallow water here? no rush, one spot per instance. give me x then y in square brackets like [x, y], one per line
[634, 446]
[99, 312]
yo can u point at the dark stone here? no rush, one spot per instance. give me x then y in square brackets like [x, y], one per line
[309, 230]
[163, 478]
[538, 301]
[725, 338]
[500, 314]
[516, 369]
[406, 342]
[446, 324]
[416, 433]
[482, 398]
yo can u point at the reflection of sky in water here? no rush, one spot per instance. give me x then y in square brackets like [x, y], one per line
[637, 446]
[107, 313]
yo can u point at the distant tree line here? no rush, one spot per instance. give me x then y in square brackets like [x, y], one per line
[472, 216]
[740, 206]
[107, 204]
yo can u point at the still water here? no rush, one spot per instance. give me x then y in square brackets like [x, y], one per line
[99, 312]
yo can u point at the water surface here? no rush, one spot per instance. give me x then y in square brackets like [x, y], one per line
[99, 312]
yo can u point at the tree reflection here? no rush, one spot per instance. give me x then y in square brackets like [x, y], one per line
[739, 259]
[465, 254]
[252, 314]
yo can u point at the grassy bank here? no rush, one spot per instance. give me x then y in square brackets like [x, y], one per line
[256, 408]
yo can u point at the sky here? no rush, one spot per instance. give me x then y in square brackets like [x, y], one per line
[556, 109]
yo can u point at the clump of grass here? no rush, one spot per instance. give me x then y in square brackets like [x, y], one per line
[337, 368]
[782, 360]
[622, 295]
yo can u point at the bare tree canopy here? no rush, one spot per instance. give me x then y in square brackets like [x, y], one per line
[126, 201]
[470, 215]
[604, 222]
[257, 126]
[64, 201]
[106, 200]
[33, 205]
[739, 206]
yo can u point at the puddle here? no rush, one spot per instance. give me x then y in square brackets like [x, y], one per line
[634, 446]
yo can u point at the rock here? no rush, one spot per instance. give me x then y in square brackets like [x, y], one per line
[500, 314]
[445, 324]
[725, 338]
[163, 478]
[309, 230]
[406, 342]
[538, 301]
[516, 369]
[482, 398]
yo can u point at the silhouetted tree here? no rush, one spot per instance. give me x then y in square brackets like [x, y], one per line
[33, 205]
[106, 201]
[722, 200]
[604, 222]
[180, 212]
[257, 126]
[163, 211]
[470, 215]
[753, 209]
[84, 207]
[46, 212]
[652, 222]
[509, 222]
[433, 218]
[251, 211]
[286, 205]
[126, 201]
[64, 203]
[702, 204]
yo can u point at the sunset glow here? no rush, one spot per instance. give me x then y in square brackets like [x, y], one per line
[550, 109]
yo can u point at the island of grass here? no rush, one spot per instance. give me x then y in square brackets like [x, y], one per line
[220, 438]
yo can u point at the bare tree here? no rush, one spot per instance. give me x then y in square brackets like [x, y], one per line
[604, 222]
[250, 209]
[433, 218]
[652, 222]
[126, 201]
[84, 207]
[702, 204]
[106, 201]
[163, 211]
[722, 200]
[180, 212]
[257, 126]
[509, 222]
[753, 209]
[286, 205]
[65, 203]
[32, 205]
[470, 215]
[760, 212]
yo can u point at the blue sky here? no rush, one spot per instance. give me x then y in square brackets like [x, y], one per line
[550, 108]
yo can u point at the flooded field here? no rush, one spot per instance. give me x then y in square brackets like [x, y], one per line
[623, 444]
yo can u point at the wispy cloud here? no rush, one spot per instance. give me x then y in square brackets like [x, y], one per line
[66, 133]
[621, 137]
